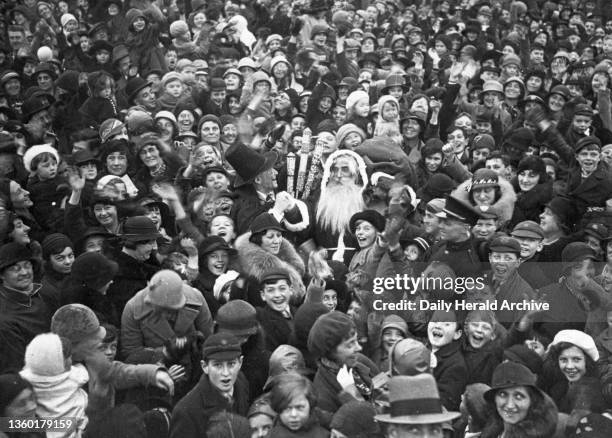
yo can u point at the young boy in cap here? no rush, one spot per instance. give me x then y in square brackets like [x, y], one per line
[481, 347]
[276, 317]
[506, 283]
[444, 335]
[530, 236]
[221, 388]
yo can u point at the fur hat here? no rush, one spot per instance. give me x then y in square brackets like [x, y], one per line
[329, 331]
[44, 355]
[54, 244]
[32, 152]
[169, 77]
[77, 323]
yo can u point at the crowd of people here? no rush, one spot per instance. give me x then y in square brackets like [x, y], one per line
[210, 213]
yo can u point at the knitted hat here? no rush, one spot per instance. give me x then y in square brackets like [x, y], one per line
[34, 151]
[580, 340]
[166, 290]
[511, 59]
[482, 141]
[355, 419]
[67, 18]
[329, 331]
[355, 97]
[178, 28]
[169, 77]
[77, 323]
[54, 244]
[11, 385]
[44, 356]
[238, 318]
[93, 269]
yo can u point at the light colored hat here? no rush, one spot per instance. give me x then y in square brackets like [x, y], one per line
[44, 356]
[34, 151]
[579, 339]
[110, 127]
[247, 62]
[166, 290]
[67, 18]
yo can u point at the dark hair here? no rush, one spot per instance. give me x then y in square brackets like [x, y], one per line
[287, 387]
[41, 158]
[112, 334]
[551, 362]
[498, 155]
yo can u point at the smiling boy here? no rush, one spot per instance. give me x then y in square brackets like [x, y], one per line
[276, 317]
[444, 334]
[480, 347]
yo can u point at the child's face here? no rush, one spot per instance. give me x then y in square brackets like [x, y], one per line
[330, 299]
[89, 171]
[107, 91]
[442, 333]
[396, 92]
[217, 97]
[354, 310]
[139, 24]
[325, 104]
[102, 56]
[581, 123]
[174, 88]
[412, 253]
[261, 425]
[390, 336]
[365, 234]
[109, 349]
[47, 169]
[362, 107]
[296, 414]
[572, 363]
[276, 295]
[222, 226]
[479, 333]
[390, 112]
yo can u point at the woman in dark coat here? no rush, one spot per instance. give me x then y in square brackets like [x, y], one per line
[333, 340]
[92, 273]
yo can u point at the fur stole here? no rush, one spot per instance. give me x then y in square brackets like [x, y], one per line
[504, 205]
[256, 262]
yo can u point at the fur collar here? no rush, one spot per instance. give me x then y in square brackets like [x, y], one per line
[256, 262]
[504, 205]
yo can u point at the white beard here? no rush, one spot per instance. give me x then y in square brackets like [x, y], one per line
[337, 204]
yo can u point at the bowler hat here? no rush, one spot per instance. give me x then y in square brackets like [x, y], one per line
[133, 86]
[371, 216]
[238, 318]
[248, 163]
[139, 228]
[221, 346]
[415, 400]
[35, 104]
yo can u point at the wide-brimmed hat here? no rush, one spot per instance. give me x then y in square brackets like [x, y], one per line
[372, 216]
[415, 400]
[263, 222]
[248, 163]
